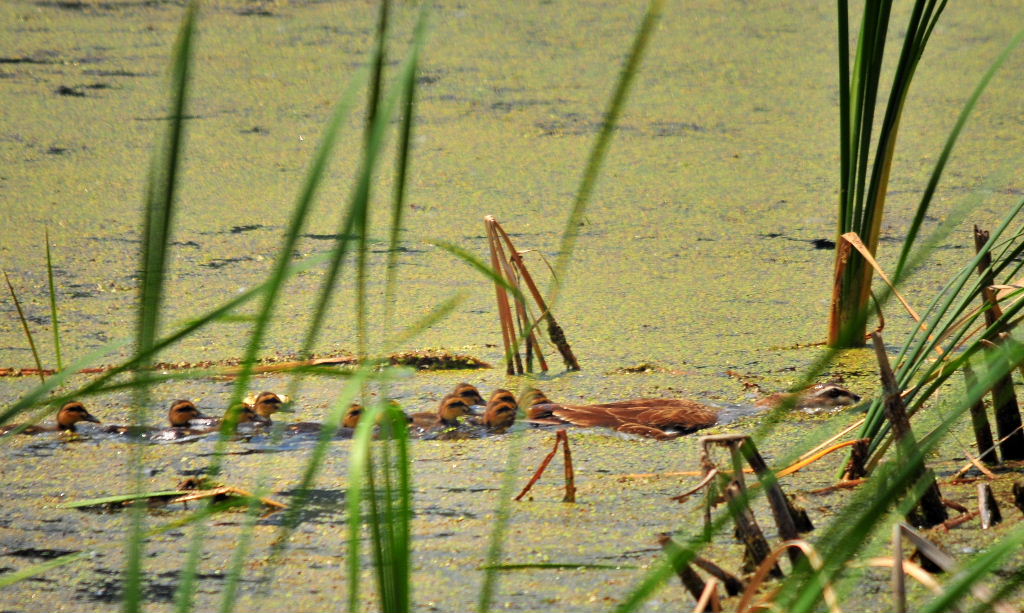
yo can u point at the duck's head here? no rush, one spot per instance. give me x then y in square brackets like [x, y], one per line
[181, 412]
[72, 413]
[469, 393]
[268, 403]
[532, 396]
[826, 396]
[451, 409]
[352, 415]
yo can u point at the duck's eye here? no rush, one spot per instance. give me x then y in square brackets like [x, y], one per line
[834, 393]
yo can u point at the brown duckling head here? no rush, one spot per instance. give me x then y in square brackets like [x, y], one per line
[250, 416]
[451, 409]
[267, 403]
[72, 413]
[469, 393]
[352, 415]
[181, 412]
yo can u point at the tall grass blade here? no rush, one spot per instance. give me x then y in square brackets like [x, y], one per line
[983, 563]
[947, 149]
[154, 255]
[24, 326]
[271, 291]
[54, 321]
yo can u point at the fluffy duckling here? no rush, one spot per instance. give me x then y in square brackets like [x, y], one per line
[818, 397]
[179, 416]
[501, 411]
[447, 415]
[348, 423]
[471, 395]
[246, 416]
[69, 415]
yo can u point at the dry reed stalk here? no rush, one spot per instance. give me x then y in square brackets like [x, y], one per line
[561, 438]
[1004, 400]
[514, 269]
[990, 515]
[979, 422]
[931, 510]
[745, 605]
[709, 597]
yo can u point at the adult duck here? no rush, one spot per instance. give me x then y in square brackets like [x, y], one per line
[69, 415]
[818, 397]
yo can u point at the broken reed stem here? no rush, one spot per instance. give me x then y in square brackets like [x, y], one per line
[555, 331]
[570, 476]
[687, 576]
[990, 515]
[1004, 400]
[979, 421]
[932, 511]
[513, 364]
[899, 586]
[781, 511]
[561, 438]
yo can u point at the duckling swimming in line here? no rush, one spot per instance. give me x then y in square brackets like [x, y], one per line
[179, 416]
[69, 415]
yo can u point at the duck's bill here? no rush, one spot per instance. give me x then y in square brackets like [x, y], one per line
[91, 418]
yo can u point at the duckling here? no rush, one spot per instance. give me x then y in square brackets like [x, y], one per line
[447, 415]
[348, 423]
[69, 414]
[181, 413]
[205, 424]
[501, 411]
[818, 397]
[268, 403]
[470, 394]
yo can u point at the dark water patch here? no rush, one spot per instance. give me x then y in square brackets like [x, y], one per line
[55, 150]
[255, 130]
[399, 249]
[321, 506]
[513, 105]
[439, 511]
[111, 590]
[167, 118]
[115, 239]
[24, 60]
[256, 11]
[817, 243]
[675, 128]
[186, 244]
[40, 553]
[471, 490]
[222, 262]
[575, 124]
[330, 237]
[246, 228]
[116, 73]
[73, 92]
[428, 79]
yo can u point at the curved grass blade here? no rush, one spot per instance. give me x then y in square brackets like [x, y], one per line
[947, 149]
[159, 213]
[272, 287]
[24, 326]
[54, 322]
